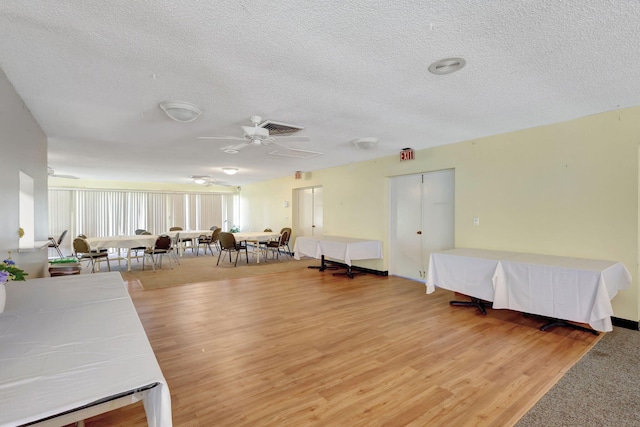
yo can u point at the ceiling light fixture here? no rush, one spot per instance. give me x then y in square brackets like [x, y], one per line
[230, 171]
[181, 111]
[200, 179]
[446, 66]
[365, 143]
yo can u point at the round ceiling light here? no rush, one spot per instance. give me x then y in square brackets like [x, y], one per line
[446, 66]
[365, 143]
[230, 171]
[181, 111]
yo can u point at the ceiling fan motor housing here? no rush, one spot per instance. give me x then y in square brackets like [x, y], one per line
[253, 132]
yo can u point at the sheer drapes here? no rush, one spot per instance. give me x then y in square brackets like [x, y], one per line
[113, 212]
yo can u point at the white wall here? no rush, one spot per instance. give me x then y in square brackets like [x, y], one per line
[23, 147]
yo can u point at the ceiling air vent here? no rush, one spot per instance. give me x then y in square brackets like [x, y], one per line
[279, 128]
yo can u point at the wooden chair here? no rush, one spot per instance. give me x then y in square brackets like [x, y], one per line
[228, 244]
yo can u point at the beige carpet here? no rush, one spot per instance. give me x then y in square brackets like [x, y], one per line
[193, 269]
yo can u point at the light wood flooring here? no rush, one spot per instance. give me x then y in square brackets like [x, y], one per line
[309, 349]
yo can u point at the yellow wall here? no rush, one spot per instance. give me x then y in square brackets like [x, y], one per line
[565, 189]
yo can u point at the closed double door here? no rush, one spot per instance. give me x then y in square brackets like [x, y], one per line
[422, 220]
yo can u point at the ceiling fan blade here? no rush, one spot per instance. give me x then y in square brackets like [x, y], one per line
[293, 138]
[64, 176]
[234, 149]
[236, 138]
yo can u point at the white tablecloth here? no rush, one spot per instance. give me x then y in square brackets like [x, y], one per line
[573, 289]
[468, 271]
[189, 234]
[70, 341]
[339, 248]
[125, 242]
[255, 236]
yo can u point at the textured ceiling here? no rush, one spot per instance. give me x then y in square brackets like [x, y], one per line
[93, 73]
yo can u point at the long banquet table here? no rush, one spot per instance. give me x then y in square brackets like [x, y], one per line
[72, 347]
[571, 289]
[123, 242]
[345, 249]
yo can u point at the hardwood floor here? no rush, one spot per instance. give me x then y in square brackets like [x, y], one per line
[310, 349]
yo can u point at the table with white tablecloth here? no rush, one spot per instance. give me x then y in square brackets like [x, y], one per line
[255, 237]
[339, 248]
[123, 242]
[554, 287]
[72, 347]
[188, 235]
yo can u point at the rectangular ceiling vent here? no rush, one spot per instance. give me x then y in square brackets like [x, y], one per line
[279, 128]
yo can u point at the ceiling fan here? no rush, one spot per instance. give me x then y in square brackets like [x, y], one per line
[254, 135]
[207, 181]
[52, 173]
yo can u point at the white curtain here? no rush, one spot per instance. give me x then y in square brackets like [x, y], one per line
[114, 212]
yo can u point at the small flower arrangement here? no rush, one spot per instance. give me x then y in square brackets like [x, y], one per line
[10, 271]
[234, 229]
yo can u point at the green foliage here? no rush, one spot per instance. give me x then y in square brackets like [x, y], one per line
[10, 271]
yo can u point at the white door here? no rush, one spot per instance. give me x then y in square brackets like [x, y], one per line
[422, 220]
[309, 211]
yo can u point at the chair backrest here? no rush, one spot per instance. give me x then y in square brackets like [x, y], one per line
[80, 246]
[216, 234]
[268, 230]
[145, 233]
[288, 230]
[214, 228]
[163, 242]
[284, 237]
[140, 231]
[82, 236]
[175, 229]
[227, 240]
[64, 233]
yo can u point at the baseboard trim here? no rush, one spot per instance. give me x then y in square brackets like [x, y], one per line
[624, 323]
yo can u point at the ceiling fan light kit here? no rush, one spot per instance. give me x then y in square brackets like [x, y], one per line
[181, 111]
[199, 179]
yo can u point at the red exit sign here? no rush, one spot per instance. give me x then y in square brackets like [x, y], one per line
[407, 154]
